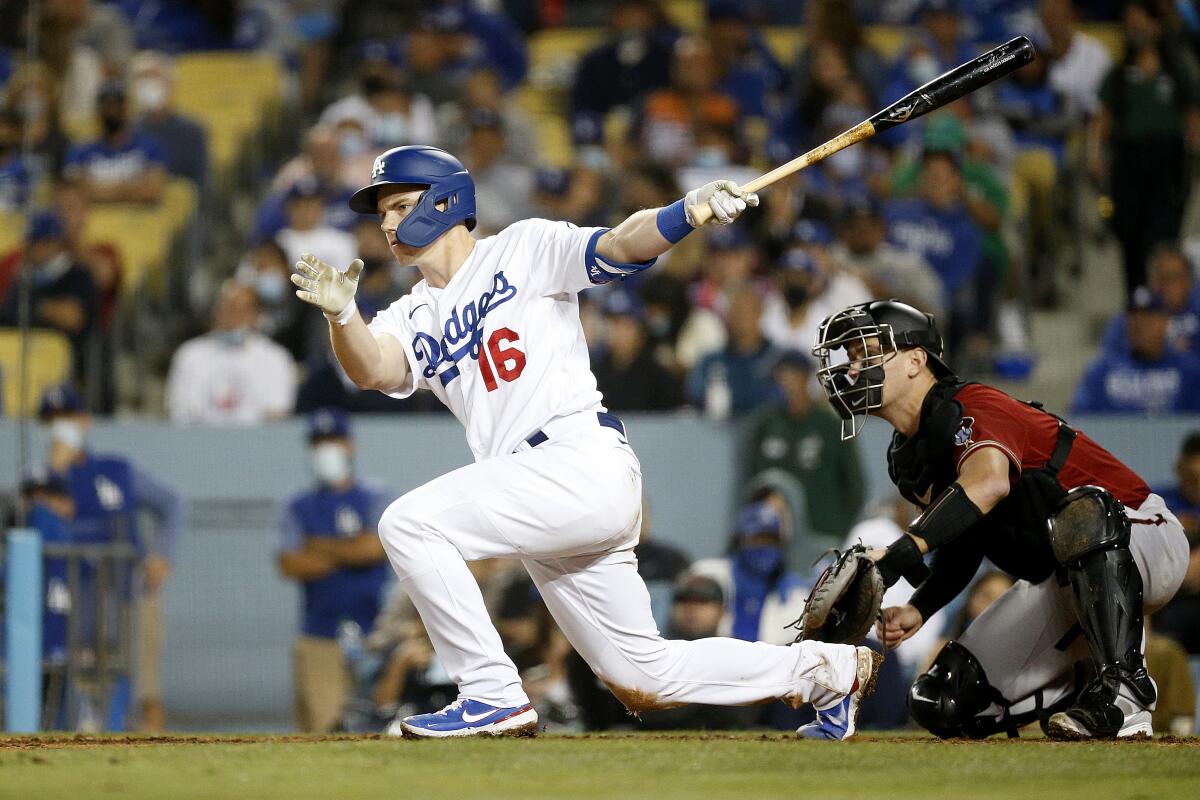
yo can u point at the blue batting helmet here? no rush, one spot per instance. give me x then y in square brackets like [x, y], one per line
[421, 165]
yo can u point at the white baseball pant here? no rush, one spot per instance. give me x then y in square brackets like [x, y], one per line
[570, 509]
[1019, 638]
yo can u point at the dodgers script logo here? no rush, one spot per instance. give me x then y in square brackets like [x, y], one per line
[462, 334]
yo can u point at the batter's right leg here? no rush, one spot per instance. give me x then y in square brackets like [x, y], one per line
[602, 606]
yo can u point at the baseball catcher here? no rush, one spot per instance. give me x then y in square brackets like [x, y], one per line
[1091, 547]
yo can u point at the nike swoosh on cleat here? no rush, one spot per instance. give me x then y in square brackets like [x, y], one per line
[469, 718]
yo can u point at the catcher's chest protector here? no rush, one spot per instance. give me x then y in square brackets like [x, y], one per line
[1015, 530]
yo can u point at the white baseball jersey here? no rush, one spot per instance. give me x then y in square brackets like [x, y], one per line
[503, 347]
[501, 344]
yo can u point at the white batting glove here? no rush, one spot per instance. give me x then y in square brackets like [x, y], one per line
[724, 198]
[324, 287]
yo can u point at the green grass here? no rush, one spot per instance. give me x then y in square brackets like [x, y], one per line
[692, 766]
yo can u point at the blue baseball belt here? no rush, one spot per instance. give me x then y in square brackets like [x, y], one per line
[603, 417]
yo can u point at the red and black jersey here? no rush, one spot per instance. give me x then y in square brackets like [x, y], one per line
[1027, 436]
[958, 419]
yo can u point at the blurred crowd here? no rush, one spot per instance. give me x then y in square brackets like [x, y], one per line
[977, 214]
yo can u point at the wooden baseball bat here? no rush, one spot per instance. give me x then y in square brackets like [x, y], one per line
[940, 91]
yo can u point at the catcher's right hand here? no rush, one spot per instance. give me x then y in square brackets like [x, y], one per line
[898, 624]
[845, 602]
[324, 286]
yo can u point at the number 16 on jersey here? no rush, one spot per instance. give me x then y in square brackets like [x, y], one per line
[497, 359]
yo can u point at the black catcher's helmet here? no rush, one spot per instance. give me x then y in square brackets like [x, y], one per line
[875, 331]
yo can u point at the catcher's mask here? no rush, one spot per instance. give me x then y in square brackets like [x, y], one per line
[854, 344]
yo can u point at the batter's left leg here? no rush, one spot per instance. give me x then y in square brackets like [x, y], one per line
[602, 606]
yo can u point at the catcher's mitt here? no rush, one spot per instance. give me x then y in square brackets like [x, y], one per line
[846, 600]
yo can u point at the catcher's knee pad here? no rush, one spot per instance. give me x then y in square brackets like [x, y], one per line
[1090, 535]
[947, 700]
[1086, 520]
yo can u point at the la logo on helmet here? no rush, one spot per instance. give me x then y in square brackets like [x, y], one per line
[377, 170]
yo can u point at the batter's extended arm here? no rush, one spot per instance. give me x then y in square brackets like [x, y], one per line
[649, 233]
[372, 362]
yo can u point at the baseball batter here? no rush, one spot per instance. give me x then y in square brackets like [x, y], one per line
[1091, 546]
[493, 330]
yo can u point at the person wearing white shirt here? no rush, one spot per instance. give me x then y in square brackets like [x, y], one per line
[1078, 62]
[232, 375]
[812, 288]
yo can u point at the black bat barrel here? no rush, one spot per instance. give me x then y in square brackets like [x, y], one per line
[961, 80]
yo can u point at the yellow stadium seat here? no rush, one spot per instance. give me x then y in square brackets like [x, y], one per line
[142, 234]
[49, 364]
[1110, 36]
[179, 202]
[12, 231]
[785, 41]
[563, 43]
[231, 95]
[687, 14]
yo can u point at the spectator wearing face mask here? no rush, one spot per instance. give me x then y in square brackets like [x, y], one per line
[810, 288]
[232, 375]
[122, 166]
[111, 496]
[331, 548]
[391, 114]
[183, 141]
[281, 316]
[668, 121]
[63, 295]
[762, 596]
[30, 94]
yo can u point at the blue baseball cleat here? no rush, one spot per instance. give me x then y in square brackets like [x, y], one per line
[466, 717]
[838, 722]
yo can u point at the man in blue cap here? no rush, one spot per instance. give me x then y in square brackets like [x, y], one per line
[762, 596]
[109, 493]
[331, 548]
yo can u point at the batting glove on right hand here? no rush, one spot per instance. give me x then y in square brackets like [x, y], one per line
[324, 286]
[725, 199]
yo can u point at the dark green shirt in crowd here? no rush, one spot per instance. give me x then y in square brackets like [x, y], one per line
[811, 449]
[1145, 107]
